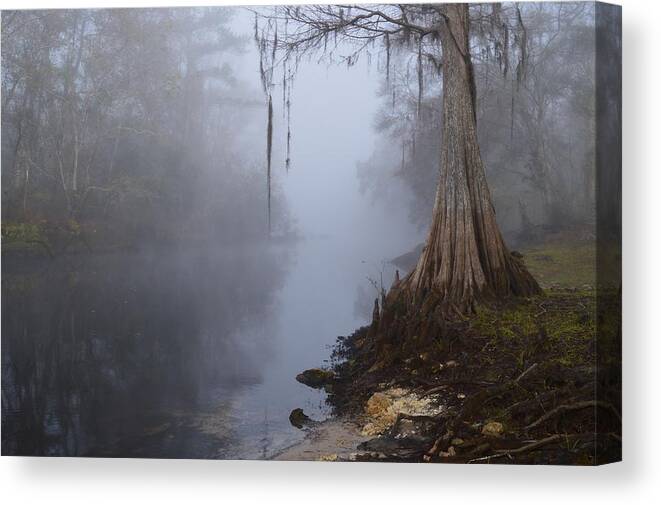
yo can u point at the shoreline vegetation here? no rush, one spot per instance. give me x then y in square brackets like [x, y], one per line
[50, 239]
[518, 382]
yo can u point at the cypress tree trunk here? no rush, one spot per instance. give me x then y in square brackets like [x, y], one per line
[465, 258]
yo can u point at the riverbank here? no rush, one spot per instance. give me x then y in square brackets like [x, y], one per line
[51, 239]
[519, 382]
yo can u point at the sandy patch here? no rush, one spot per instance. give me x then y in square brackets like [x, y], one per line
[332, 440]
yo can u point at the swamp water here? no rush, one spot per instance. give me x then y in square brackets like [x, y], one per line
[173, 354]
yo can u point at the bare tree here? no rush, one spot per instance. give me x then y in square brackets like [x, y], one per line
[465, 259]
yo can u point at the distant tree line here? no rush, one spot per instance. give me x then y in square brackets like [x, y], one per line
[536, 126]
[127, 124]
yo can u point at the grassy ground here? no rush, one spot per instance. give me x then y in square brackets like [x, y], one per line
[569, 264]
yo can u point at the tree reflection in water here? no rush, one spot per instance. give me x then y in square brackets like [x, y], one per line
[110, 354]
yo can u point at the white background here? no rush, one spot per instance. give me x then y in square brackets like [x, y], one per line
[637, 480]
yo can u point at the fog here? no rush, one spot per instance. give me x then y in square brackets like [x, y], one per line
[333, 111]
[182, 319]
[147, 308]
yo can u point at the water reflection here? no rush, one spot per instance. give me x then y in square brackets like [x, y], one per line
[134, 355]
[179, 354]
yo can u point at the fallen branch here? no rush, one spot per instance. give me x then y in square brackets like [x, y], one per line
[413, 417]
[434, 390]
[526, 372]
[574, 406]
[536, 401]
[446, 384]
[520, 450]
[543, 311]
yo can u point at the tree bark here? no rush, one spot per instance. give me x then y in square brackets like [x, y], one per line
[465, 258]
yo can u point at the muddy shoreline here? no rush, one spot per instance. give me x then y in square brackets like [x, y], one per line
[335, 439]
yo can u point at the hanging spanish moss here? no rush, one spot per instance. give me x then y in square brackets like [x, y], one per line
[267, 56]
[413, 144]
[522, 39]
[284, 88]
[387, 43]
[269, 145]
[420, 77]
[275, 46]
[288, 108]
[512, 116]
[503, 30]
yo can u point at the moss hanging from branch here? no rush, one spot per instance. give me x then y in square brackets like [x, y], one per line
[500, 36]
[275, 47]
[387, 44]
[413, 145]
[502, 33]
[284, 88]
[267, 58]
[512, 116]
[269, 146]
[288, 107]
[522, 39]
[420, 78]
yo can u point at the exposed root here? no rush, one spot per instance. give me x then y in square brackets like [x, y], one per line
[471, 406]
[501, 376]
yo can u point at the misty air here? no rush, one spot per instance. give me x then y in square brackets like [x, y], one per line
[337, 233]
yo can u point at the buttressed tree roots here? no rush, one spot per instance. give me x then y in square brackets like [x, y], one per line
[465, 259]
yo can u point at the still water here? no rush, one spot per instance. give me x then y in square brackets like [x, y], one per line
[187, 353]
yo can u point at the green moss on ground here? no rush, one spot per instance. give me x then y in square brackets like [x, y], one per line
[566, 264]
[566, 320]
